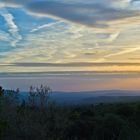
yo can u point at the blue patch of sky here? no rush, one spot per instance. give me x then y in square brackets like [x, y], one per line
[3, 25]
[4, 47]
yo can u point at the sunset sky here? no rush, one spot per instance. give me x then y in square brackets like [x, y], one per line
[70, 44]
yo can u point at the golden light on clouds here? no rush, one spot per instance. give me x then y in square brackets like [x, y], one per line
[101, 36]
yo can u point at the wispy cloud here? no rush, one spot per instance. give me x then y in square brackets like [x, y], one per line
[4, 36]
[81, 31]
[13, 28]
[128, 50]
[45, 26]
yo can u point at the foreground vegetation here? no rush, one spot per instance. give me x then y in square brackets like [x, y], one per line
[39, 119]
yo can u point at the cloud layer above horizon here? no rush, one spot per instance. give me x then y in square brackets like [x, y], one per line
[71, 32]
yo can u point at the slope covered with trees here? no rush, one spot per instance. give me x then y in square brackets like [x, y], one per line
[43, 120]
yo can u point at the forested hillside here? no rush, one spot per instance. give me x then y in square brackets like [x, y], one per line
[48, 121]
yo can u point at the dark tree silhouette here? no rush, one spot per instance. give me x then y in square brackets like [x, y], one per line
[1, 91]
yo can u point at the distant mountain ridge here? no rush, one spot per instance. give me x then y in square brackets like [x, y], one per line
[104, 92]
[92, 97]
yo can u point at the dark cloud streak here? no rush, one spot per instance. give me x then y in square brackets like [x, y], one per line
[86, 14]
[96, 14]
[133, 1]
[72, 64]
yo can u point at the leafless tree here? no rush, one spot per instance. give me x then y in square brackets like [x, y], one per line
[43, 94]
[40, 93]
[32, 96]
